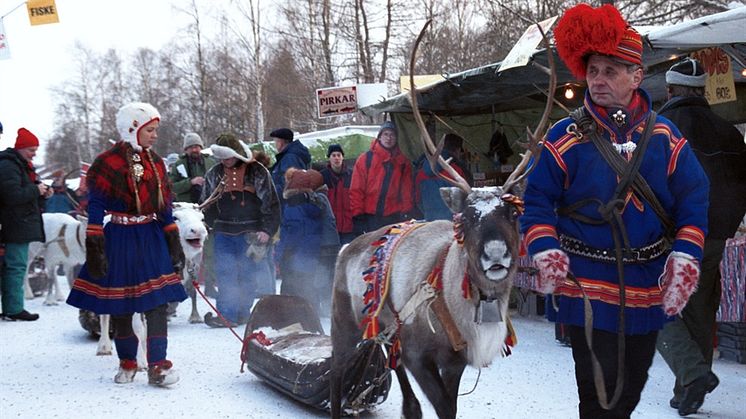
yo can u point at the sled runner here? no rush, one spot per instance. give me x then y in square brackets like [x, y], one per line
[285, 345]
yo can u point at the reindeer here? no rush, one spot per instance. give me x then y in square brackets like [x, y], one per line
[192, 233]
[65, 246]
[474, 332]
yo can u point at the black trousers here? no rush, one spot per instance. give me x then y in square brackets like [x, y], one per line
[638, 358]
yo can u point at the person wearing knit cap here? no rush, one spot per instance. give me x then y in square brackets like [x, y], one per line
[290, 153]
[187, 173]
[616, 211]
[139, 250]
[381, 190]
[686, 343]
[21, 200]
[338, 177]
[242, 209]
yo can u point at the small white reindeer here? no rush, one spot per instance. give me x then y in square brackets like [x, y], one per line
[192, 233]
[65, 245]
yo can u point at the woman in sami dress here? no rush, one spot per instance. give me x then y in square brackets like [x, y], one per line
[132, 263]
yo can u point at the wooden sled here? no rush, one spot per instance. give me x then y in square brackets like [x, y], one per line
[287, 348]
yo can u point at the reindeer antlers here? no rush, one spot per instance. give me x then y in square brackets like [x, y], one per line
[431, 151]
[534, 138]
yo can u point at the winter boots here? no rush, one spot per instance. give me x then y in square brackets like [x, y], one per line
[22, 316]
[127, 371]
[162, 374]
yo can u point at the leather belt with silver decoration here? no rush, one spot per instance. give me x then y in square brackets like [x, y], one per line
[128, 219]
[634, 255]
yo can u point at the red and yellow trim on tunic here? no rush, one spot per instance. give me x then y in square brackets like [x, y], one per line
[558, 159]
[636, 297]
[94, 230]
[115, 293]
[538, 231]
[692, 234]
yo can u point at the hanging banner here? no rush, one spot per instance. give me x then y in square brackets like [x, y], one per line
[524, 49]
[720, 87]
[4, 48]
[335, 101]
[41, 12]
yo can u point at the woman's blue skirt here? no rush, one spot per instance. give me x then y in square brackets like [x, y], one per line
[140, 275]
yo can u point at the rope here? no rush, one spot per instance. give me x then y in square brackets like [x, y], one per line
[479, 374]
[215, 309]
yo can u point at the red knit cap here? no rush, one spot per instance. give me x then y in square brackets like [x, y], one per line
[26, 139]
[583, 31]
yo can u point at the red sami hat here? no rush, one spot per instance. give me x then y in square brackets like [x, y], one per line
[583, 31]
[26, 139]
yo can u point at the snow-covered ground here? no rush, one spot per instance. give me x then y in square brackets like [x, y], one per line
[48, 369]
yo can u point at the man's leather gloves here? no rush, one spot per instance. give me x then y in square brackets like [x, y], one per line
[95, 251]
[678, 281]
[553, 266]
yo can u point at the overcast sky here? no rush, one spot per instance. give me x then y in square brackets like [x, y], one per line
[40, 55]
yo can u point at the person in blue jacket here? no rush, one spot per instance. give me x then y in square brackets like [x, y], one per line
[603, 234]
[290, 153]
[427, 184]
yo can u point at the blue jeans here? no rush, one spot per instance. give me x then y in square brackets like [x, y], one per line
[236, 277]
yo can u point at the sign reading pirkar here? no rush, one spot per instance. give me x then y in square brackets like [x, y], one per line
[335, 101]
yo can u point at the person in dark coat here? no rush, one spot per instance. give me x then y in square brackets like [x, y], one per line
[243, 210]
[63, 200]
[307, 228]
[337, 177]
[290, 153]
[381, 191]
[687, 343]
[21, 194]
[427, 184]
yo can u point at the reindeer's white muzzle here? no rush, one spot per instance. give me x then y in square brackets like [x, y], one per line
[496, 260]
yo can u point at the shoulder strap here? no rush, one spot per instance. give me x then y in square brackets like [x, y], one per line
[628, 171]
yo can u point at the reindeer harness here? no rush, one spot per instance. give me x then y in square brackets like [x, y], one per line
[377, 276]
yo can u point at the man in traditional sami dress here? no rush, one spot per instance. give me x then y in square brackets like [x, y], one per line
[613, 187]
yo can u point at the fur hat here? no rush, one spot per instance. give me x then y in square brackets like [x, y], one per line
[301, 180]
[131, 118]
[688, 72]
[25, 139]
[192, 138]
[283, 133]
[227, 146]
[386, 125]
[332, 148]
[583, 31]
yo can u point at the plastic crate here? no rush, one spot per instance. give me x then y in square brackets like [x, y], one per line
[733, 354]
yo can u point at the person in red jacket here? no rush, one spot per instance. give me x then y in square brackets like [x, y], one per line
[381, 188]
[337, 177]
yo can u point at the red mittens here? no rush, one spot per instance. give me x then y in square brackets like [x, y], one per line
[553, 266]
[678, 281]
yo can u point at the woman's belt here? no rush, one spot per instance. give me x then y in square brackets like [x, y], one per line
[634, 255]
[129, 219]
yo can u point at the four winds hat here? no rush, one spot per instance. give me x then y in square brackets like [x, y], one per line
[583, 31]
